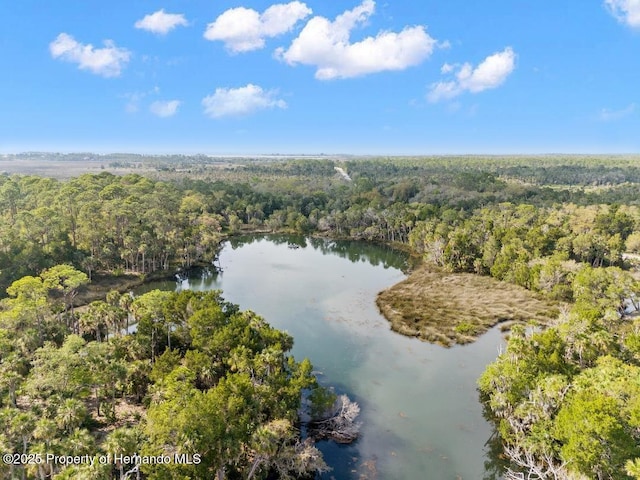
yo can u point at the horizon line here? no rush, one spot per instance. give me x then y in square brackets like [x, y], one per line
[315, 155]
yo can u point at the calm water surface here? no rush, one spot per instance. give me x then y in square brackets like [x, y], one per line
[419, 405]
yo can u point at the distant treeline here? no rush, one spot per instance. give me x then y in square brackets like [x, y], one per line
[564, 227]
[132, 223]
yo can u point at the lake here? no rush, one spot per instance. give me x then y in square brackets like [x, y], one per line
[421, 415]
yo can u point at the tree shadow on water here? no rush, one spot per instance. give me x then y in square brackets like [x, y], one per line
[496, 463]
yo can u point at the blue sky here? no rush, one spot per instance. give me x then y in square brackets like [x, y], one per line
[356, 76]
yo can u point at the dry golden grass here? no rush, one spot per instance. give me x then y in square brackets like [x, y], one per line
[450, 308]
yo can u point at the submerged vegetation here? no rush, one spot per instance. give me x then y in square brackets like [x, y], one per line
[548, 240]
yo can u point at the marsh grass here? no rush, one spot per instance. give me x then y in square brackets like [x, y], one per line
[456, 308]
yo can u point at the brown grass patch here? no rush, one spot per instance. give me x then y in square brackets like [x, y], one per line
[455, 308]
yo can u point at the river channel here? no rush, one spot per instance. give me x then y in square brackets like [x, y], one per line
[420, 412]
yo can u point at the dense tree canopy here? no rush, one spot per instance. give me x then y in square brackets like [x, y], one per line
[201, 380]
[200, 376]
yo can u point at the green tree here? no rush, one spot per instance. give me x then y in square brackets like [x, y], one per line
[65, 279]
[595, 441]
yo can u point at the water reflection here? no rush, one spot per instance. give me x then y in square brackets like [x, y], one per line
[419, 405]
[354, 251]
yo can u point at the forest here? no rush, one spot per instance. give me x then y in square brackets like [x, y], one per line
[201, 376]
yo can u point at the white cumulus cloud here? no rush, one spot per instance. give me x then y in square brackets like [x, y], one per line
[447, 68]
[108, 61]
[165, 109]
[626, 11]
[161, 23]
[240, 101]
[244, 29]
[327, 46]
[491, 73]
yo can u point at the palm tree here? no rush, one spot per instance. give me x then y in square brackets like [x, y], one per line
[71, 414]
[633, 468]
[10, 379]
[93, 320]
[21, 426]
[80, 442]
[46, 431]
[125, 303]
[40, 470]
[122, 441]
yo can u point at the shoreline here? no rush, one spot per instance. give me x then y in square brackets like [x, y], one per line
[456, 308]
[436, 307]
